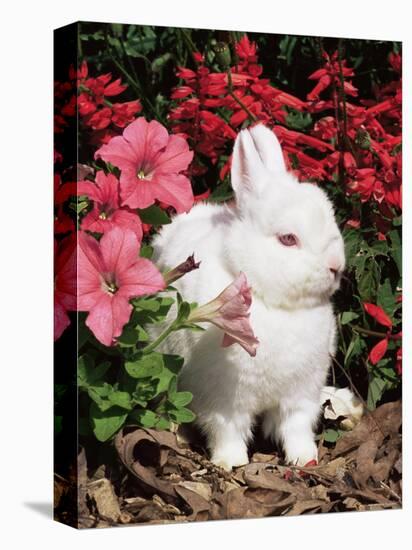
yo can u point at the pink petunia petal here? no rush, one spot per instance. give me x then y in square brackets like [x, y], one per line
[90, 267]
[108, 317]
[108, 186]
[175, 190]
[230, 312]
[61, 320]
[128, 220]
[65, 273]
[147, 139]
[175, 158]
[88, 188]
[92, 222]
[136, 193]
[249, 343]
[120, 250]
[118, 152]
[90, 251]
[141, 278]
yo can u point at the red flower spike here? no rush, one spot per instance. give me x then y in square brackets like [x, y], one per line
[378, 351]
[378, 314]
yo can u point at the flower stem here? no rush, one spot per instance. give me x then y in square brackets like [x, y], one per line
[368, 332]
[239, 101]
[172, 327]
[134, 82]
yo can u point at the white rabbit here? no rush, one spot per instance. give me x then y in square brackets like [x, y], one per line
[283, 235]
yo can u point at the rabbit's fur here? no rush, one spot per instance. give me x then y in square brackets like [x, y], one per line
[291, 313]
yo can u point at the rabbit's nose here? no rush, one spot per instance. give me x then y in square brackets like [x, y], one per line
[334, 266]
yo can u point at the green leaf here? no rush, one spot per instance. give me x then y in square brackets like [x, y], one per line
[146, 389]
[147, 304]
[331, 436]
[151, 310]
[182, 415]
[131, 335]
[98, 35]
[162, 424]
[144, 417]
[159, 63]
[359, 263]
[379, 248]
[57, 424]
[145, 365]
[180, 399]
[183, 312]
[172, 366]
[386, 297]
[222, 193]
[354, 349]
[154, 215]
[396, 249]
[351, 240]
[83, 334]
[121, 399]
[99, 394]
[172, 389]
[375, 391]
[87, 373]
[297, 120]
[347, 317]
[146, 251]
[141, 39]
[106, 424]
[368, 284]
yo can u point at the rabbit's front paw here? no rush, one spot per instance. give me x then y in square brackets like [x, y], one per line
[229, 458]
[299, 452]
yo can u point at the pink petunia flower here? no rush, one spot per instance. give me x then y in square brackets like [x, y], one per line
[230, 312]
[151, 163]
[64, 283]
[110, 273]
[106, 213]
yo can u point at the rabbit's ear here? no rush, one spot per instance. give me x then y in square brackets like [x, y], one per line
[247, 166]
[255, 152]
[268, 147]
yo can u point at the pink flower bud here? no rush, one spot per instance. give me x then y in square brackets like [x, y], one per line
[230, 312]
[185, 267]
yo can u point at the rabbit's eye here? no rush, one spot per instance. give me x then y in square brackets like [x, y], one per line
[288, 240]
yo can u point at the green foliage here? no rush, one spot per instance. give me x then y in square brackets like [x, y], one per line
[373, 275]
[154, 215]
[138, 384]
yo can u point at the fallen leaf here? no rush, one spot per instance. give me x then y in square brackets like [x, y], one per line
[107, 504]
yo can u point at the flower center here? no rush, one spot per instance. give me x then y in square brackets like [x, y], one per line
[103, 216]
[144, 173]
[112, 288]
